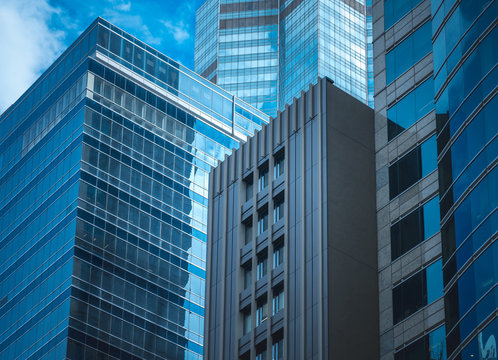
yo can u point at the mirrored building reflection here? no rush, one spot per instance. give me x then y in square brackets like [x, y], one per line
[267, 52]
[104, 166]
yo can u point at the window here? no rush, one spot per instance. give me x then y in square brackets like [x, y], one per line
[431, 346]
[249, 188]
[408, 52]
[247, 277]
[246, 323]
[263, 178]
[278, 300]
[278, 255]
[410, 109]
[247, 233]
[412, 167]
[263, 222]
[394, 10]
[278, 210]
[279, 167]
[414, 228]
[277, 349]
[261, 355]
[418, 291]
[261, 312]
[262, 266]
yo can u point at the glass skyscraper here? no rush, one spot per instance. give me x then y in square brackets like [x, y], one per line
[465, 82]
[104, 167]
[267, 52]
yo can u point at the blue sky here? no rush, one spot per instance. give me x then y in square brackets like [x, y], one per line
[33, 33]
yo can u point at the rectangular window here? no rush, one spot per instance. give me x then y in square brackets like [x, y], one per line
[261, 312]
[263, 222]
[394, 10]
[278, 255]
[406, 112]
[247, 277]
[247, 233]
[263, 178]
[277, 349]
[416, 292]
[414, 228]
[261, 355]
[278, 167]
[278, 300]
[278, 210]
[412, 167]
[408, 52]
[249, 188]
[431, 346]
[246, 322]
[262, 266]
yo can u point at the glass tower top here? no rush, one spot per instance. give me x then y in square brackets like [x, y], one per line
[267, 52]
[104, 166]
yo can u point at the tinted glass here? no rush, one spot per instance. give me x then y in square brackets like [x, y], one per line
[408, 52]
[394, 10]
[410, 109]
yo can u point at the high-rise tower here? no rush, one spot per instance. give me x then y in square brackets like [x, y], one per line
[267, 52]
[103, 202]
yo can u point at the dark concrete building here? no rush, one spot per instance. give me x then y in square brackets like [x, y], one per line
[292, 255]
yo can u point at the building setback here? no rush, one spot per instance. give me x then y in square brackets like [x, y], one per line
[292, 262]
[103, 203]
[267, 52]
[435, 135]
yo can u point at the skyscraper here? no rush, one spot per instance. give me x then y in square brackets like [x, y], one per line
[435, 101]
[465, 84]
[292, 263]
[267, 52]
[103, 202]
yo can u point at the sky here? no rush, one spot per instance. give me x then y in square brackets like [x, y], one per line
[33, 33]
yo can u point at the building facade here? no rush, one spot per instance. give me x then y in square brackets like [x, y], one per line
[267, 52]
[435, 85]
[103, 202]
[465, 84]
[292, 269]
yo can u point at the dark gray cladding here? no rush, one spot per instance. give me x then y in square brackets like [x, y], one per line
[329, 270]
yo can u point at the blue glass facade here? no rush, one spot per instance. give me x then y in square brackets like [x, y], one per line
[267, 52]
[465, 78]
[104, 169]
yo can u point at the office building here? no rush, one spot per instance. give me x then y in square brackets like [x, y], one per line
[104, 166]
[435, 87]
[267, 52]
[292, 263]
[465, 84]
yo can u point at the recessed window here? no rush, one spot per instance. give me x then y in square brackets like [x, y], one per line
[278, 300]
[261, 355]
[278, 167]
[262, 266]
[263, 222]
[246, 322]
[278, 210]
[263, 178]
[247, 276]
[247, 233]
[248, 183]
[261, 311]
[278, 255]
[277, 349]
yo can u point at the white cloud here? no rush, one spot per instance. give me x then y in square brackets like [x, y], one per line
[28, 45]
[179, 31]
